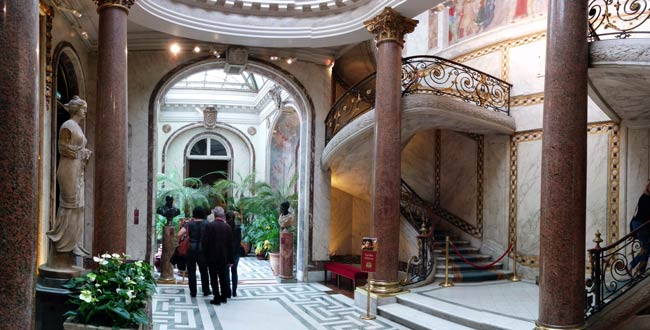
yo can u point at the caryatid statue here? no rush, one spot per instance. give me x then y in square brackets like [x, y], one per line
[286, 221]
[65, 233]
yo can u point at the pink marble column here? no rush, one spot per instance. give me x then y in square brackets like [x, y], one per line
[564, 173]
[286, 255]
[169, 245]
[389, 29]
[19, 161]
[112, 129]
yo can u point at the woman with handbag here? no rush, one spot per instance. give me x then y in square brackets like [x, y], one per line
[194, 231]
[642, 217]
[237, 249]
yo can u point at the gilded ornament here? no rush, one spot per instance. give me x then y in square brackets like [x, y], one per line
[121, 4]
[390, 25]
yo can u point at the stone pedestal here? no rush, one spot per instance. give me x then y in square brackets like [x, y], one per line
[19, 140]
[169, 245]
[389, 27]
[564, 169]
[50, 303]
[286, 255]
[111, 130]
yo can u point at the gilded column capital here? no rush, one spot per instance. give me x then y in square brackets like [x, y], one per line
[121, 4]
[390, 25]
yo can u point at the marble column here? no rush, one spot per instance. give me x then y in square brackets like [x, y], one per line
[19, 162]
[389, 28]
[564, 169]
[112, 129]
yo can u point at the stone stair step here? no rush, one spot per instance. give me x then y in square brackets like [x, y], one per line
[475, 275]
[463, 317]
[415, 319]
[463, 250]
[459, 243]
[481, 258]
[463, 266]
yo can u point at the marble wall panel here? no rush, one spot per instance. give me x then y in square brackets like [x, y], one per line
[418, 164]
[418, 41]
[526, 67]
[528, 200]
[362, 224]
[458, 183]
[528, 117]
[341, 223]
[496, 189]
[408, 243]
[638, 171]
[597, 186]
[489, 63]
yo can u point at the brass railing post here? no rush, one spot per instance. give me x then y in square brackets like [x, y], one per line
[447, 283]
[514, 278]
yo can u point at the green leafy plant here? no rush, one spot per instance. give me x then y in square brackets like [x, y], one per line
[114, 295]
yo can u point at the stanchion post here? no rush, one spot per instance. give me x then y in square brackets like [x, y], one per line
[447, 283]
[368, 316]
[514, 278]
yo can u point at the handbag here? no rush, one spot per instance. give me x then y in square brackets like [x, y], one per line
[184, 244]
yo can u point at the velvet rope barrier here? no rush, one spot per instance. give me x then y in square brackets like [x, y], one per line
[490, 265]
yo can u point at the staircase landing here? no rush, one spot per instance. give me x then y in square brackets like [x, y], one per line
[493, 305]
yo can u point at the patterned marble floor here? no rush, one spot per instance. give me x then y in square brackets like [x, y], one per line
[260, 304]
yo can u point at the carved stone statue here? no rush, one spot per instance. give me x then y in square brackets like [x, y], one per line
[286, 219]
[65, 232]
[169, 211]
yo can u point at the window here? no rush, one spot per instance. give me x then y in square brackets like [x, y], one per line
[208, 148]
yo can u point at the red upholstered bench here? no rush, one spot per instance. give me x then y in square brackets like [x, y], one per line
[348, 271]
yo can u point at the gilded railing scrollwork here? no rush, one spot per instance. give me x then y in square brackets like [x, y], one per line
[618, 18]
[424, 75]
[419, 214]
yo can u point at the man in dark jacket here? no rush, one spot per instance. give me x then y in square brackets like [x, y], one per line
[217, 246]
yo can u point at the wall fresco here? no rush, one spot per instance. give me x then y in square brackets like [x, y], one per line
[285, 141]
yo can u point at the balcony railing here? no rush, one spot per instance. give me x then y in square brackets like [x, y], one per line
[618, 19]
[424, 75]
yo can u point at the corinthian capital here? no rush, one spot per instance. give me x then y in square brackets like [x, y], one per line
[390, 26]
[121, 4]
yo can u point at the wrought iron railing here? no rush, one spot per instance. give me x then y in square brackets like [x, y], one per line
[419, 214]
[611, 273]
[424, 75]
[618, 19]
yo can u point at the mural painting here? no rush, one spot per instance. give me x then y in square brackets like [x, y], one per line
[285, 142]
[471, 17]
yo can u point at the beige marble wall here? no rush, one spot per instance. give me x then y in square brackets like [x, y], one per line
[529, 172]
[638, 171]
[458, 182]
[597, 186]
[341, 223]
[495, 193]
[362, 224]
[418, 164]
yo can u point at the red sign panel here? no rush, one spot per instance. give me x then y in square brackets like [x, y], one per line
[368, 261]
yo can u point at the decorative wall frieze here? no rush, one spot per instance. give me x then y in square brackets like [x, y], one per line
[48, 12]
[390, 25]
[610, 128]
[474, 230]
[527, 100]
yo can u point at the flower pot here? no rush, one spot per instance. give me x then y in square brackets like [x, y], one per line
[274, 258]
[69, 324]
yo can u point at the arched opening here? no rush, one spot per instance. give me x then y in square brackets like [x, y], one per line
[270, 89]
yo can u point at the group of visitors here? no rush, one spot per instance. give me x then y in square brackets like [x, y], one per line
[215, 247]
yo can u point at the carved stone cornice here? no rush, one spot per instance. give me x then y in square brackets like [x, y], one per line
[390, 25]
[121, 4]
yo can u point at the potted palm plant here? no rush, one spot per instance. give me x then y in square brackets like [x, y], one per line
[117, 295]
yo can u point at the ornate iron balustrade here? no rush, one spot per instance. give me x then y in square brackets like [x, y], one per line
[423, 75]
[419, 214]
[622, 18]
[611, 275]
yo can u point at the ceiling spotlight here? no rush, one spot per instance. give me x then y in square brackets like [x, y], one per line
[197, 49]
[290, 60]
[216, 54]
[274, 58]
[84, 35]
[175, 48]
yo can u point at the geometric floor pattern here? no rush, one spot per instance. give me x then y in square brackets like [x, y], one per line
[260, 305]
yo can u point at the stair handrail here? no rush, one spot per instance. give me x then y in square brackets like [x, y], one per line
[623, 20]
[423, 75]
[610, 273]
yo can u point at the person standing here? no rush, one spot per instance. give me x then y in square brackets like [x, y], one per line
[217, 244]
[236, 248]
[642, 217]
[196, 228]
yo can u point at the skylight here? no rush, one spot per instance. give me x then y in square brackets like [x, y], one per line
[218, 80]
